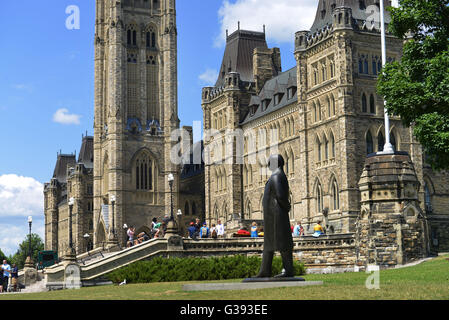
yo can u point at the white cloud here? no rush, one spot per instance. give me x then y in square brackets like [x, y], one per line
[209, 77]
[64, 117]
[20, 197]
[282, 18]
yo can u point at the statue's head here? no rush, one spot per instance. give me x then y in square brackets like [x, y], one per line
[275, 161]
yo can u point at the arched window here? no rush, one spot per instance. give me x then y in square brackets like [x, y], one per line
[364, 103]
[332, 145]
[329, 107]
[365, 66]
[326, 148]
[318, 149]
[380, 142]
[186, 209]
[334, 111]
[369, 143]
[360, 66]
[194, 208]
[335, 196]
[315, 114]
[372, 104]
[319, 198]
[319, 111]
[393, 141]
[144, 169]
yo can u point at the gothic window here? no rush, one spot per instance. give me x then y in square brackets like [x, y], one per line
[319, 198]
[369, 143]
[319, 111]
[334, 111]
[335, 196]
[326, 148]
[393, 141]
[323, 72]
[372, 104]
[364, 103]
[318, 149]
[332, 146]
[365, 66]
[151, 39]
[315, 115]
[380, 142]
[374, 67]
[427, 197]
[360, 66]
[152, 77]
[144, 173]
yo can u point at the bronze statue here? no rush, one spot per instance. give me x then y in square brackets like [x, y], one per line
[277, 230]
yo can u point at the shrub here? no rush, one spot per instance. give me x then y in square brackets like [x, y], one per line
[195, 269]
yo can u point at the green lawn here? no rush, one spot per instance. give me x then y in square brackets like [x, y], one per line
[429, 280]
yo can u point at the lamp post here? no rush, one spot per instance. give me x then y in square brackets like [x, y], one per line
[388, 148]
[71, 252]
[86, 238]
[29, 259]
[171, 178]
[172, 229]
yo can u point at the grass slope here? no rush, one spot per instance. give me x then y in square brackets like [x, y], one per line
[429, 280]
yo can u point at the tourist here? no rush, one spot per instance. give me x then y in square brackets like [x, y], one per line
[204, 232]
[14, 276]
[220, 229]
[198, 225]
[298, 231]
[192, 231]
[142, 237]
[254, 230]
[318, 230]
[213, 232]
[130, 234]
[153, 229]
[6, 273]
[157, 230]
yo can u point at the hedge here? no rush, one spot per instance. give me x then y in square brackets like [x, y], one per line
[195, 269]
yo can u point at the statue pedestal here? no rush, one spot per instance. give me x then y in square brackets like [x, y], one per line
[30, 272]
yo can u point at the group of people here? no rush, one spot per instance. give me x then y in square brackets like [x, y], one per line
[6, 273]
[158, 230]
[298, 230]
[202, 231]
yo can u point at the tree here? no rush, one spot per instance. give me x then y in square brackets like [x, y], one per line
[417, 87]
[22, 253]
[2, 256]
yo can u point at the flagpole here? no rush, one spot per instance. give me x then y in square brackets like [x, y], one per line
[388, 148]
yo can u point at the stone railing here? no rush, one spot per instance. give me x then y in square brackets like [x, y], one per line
[333, 252]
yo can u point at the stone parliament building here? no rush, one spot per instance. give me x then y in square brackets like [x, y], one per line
[323, 115]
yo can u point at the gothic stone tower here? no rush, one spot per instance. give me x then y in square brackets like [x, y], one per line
[135, 113]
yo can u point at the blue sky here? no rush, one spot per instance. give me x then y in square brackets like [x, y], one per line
[47, 83]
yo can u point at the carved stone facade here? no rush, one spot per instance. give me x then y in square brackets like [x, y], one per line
[136, 112]
[323, 115]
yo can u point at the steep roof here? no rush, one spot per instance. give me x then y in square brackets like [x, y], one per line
[358, 7]
[86, 155]
[63, 161]
[238, 56]
[275, 85]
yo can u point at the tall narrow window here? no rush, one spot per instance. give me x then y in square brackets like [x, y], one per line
[144, 173]
[332, 144]
[186, 209]
[335, 196]
[319, 198]
[380, 142]
[318, 143]
[372, 104]
[369, 143]
[364, 103]
[393, 141]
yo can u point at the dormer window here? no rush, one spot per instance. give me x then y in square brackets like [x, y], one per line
[277, 98]
[265, 104]
[291, 92]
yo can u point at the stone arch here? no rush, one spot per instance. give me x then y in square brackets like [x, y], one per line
[145, 229]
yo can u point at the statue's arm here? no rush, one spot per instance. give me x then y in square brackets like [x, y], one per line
[282, 192]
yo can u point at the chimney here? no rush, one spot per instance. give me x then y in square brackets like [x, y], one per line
[266, 65]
